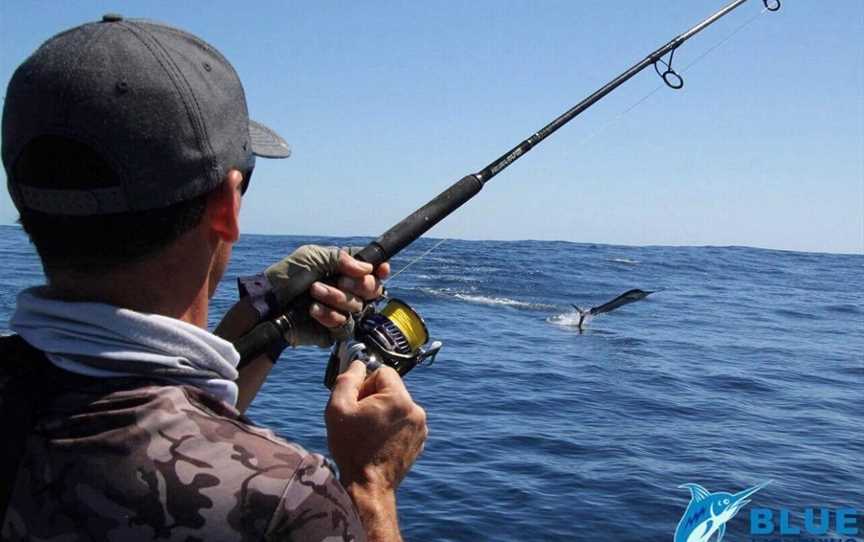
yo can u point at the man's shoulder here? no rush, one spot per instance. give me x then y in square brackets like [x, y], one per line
[271, 486]
[185, 417]
[17, 358]
[152, 460]
[195, 427]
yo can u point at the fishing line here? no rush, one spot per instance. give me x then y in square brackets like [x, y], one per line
[415, 260]
[377, 338]
[656, 89]
[677, 83]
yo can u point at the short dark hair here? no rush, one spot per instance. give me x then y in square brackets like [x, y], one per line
[97, 242]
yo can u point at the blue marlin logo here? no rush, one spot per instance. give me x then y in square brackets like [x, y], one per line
[708, 513]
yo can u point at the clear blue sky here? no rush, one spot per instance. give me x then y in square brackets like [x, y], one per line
[387, 103]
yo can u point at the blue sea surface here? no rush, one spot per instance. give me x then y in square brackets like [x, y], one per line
[747, 366]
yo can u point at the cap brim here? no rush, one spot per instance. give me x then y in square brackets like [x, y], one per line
[266, 143]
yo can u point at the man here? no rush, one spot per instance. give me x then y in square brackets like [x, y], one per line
[127, 147]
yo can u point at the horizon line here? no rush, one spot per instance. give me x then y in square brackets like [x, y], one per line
[647, 245]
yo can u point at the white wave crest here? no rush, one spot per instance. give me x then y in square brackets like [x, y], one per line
[487, 300]
[503, 301]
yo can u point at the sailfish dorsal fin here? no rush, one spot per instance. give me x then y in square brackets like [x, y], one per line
[697, 492]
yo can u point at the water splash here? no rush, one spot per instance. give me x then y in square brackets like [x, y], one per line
[569, 319]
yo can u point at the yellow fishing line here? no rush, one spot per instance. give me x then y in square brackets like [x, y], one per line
[408, 322]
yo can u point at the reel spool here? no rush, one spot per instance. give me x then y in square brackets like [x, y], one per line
[395, 336]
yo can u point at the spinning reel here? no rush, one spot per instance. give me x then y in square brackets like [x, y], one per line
[395, 336]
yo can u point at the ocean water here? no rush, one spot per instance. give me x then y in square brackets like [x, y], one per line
[748, 366]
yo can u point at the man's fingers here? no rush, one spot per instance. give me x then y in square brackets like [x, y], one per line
[326, 316]
[331, 305]
[350, 267]
[335, 298]
[366, 287]
[383, 270]
[346, 388]
[385, 380]
[360, 278]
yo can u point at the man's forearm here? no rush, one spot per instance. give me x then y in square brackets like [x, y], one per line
[250, 380]
[377, 510]
[239, 319]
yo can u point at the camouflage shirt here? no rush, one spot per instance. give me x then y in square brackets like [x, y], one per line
[127, 459]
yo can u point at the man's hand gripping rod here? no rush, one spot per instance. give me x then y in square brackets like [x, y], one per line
[265, 334]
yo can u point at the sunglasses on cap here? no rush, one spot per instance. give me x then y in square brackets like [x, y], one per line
[247, 178]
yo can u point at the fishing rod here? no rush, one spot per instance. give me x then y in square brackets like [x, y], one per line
[396, 335]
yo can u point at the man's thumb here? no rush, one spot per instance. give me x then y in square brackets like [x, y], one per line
[348, 384]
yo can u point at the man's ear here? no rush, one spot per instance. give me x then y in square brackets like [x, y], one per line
[223, 208]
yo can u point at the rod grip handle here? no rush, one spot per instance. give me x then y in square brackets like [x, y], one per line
[258, 341]
[294, 296]
[262, 336]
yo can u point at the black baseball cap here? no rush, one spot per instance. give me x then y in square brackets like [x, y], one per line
[164, 109]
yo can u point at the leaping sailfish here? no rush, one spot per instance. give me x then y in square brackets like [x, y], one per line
[629, 296]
